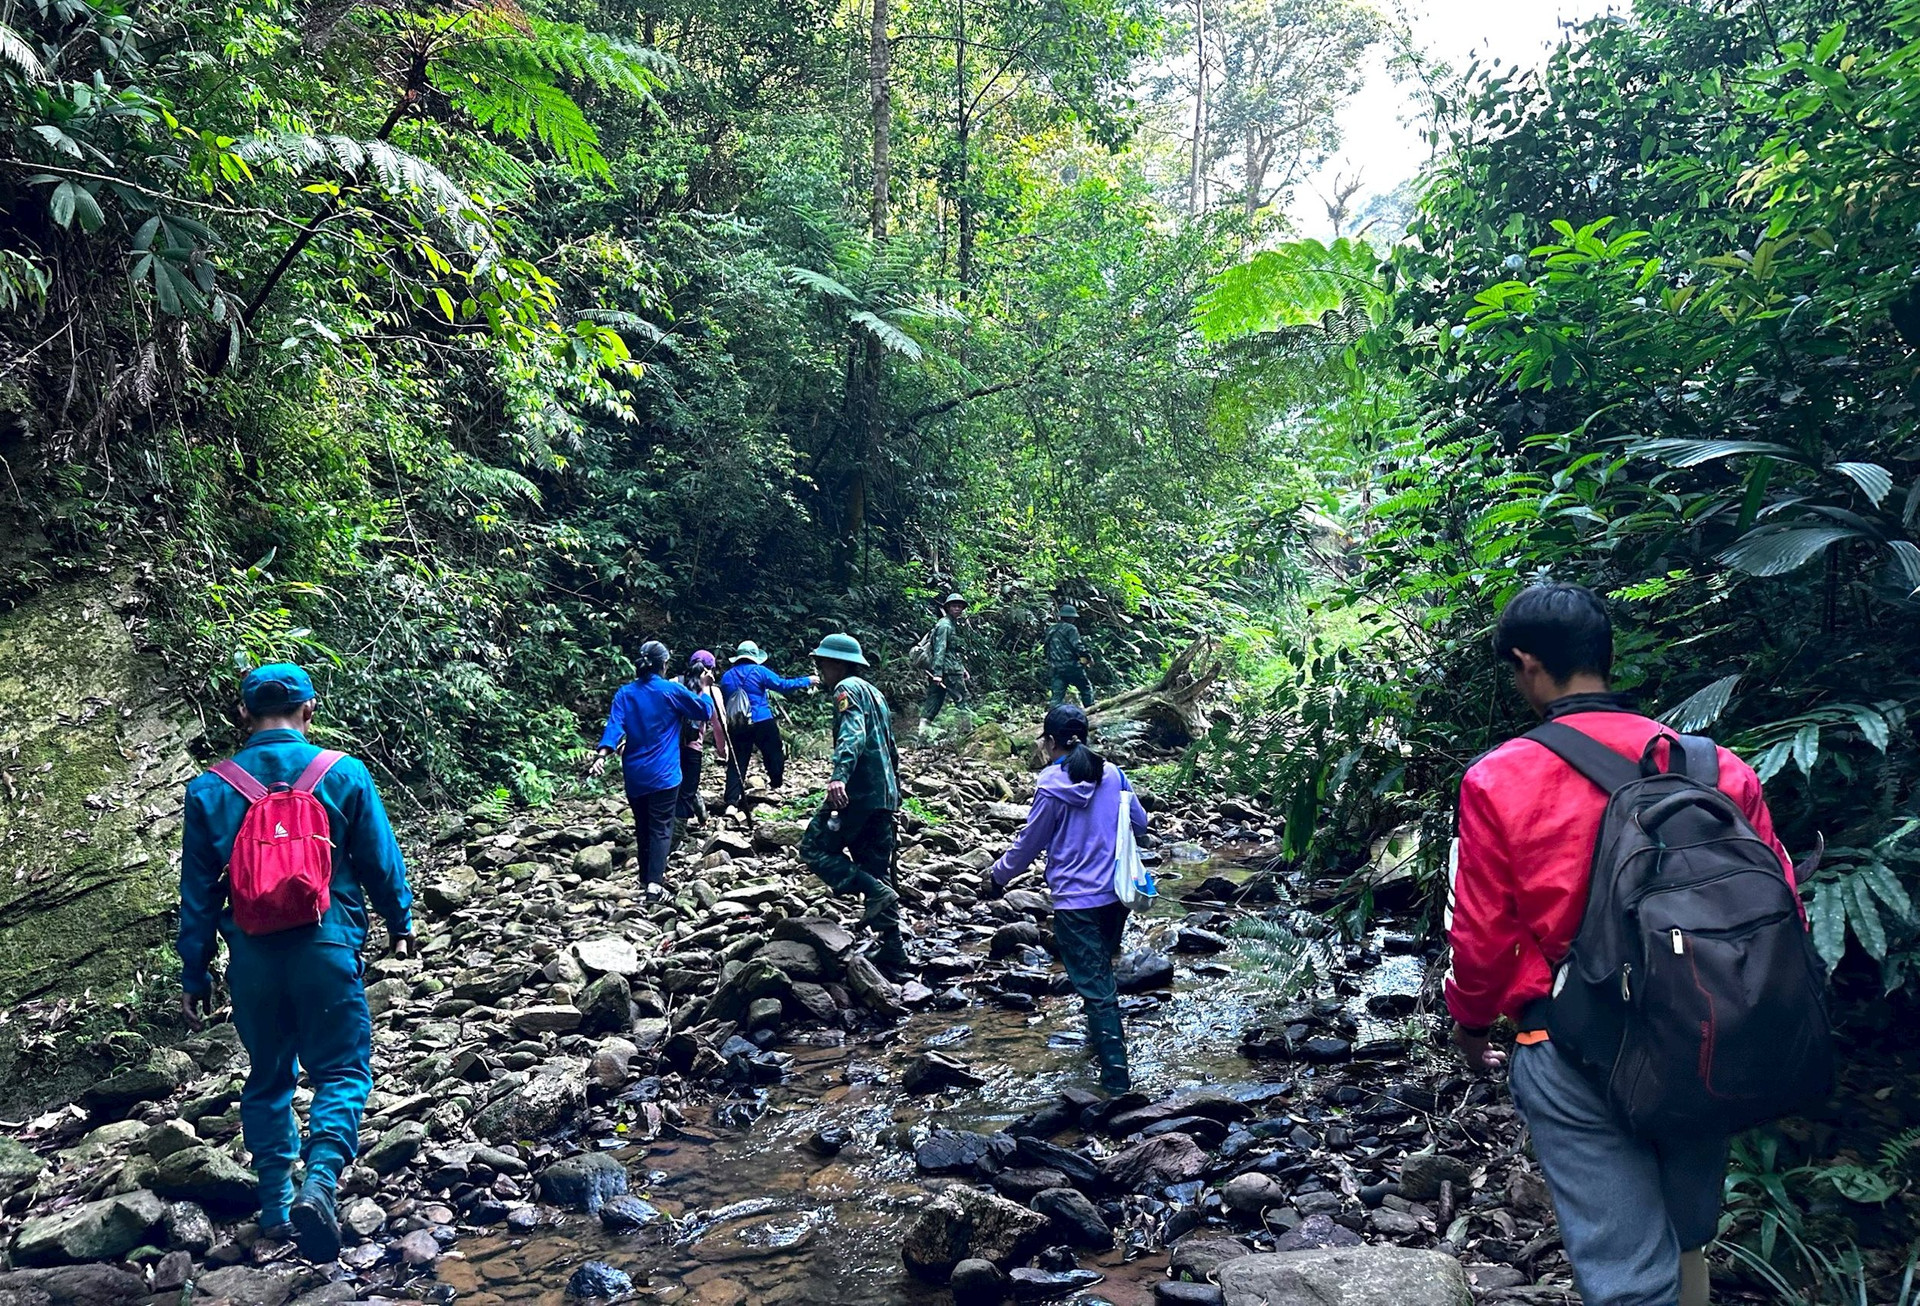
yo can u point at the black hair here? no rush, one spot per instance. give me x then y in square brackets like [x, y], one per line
[1565, 626]
[1067, 726]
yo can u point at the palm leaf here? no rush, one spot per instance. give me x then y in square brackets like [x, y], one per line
[1875, 481]
[888, 334]
[1703, 708]
[1906, 560]
[821, 282]
[1777, 550]
[15, 53]
[1692, 453]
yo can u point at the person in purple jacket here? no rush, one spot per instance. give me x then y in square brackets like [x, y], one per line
[1076, 821]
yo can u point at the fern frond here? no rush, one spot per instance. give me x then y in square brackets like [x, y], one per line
[888, 334]
[820, 282]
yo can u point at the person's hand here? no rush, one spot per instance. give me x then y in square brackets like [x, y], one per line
[938, 680]
[992, 889]
[1478, 1050]
[836, 794]
[597, 767]
[706, 677]
[813, 682]
[195, 1008]
[402, 946]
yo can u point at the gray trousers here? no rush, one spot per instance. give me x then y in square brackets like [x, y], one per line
[1627, 1206]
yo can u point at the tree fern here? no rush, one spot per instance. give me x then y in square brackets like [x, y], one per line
[19, 57]
[424, 189]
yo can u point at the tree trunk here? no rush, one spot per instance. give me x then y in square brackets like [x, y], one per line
[880, 86]
[963, 201]
[1195, 200]
[1256, 172]
[1170, 705]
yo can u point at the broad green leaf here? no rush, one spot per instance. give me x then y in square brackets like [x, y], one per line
[1806, 748]
[60, 203]
[1777, 550]
[1829, 43]
[1906, 561]
[1875, 481]
[1702, 708]
[1887, 887]
[1827, 917]
[1863, 913]
[1692, 453]
[1873, 726]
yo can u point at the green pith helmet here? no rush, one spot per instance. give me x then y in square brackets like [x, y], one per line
[952, 599]
[749, 652]
[1068, 612]
[842, 648]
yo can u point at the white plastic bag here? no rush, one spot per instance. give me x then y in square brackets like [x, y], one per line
[1132, 881]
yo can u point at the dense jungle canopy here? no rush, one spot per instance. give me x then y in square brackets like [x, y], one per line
[456, 348]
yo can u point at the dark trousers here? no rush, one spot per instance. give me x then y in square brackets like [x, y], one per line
[1087, 939]
[938, 696]
[857, 858]
[689, 807]
[300, 1007]
[763, 737]
[653, 825]
[1075, 676]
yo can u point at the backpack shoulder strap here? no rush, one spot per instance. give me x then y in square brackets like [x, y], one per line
[236, 775]
[316, 770]
[1585, 754]
[1699, 759]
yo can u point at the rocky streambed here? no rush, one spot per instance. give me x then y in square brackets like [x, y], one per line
[722, 1100]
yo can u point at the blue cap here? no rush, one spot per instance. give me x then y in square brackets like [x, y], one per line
[275, 687]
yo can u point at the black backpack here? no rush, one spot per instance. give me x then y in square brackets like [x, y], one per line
[1692, 991]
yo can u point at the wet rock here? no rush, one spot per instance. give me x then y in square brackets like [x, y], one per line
[959, 1151]
[795, 960]
[625, 1214]
[1009, 939]
[738, 992]
[364, 1216]
[812, 1002]
[1029, 1284]
[555, 1018]
[245, 1286]
[873, 989]
[19, 1166]
[1155, 1163]
[1173, 1292]
[395, 1148]
[978, 1283]
[1143, 970]
[828, 939]
[1024, 1183]
[533, 1109]
[208, 1176]
[611, 955]
[1247, 1195]
[1204, 1103]
[1317, 1230]
[188, 1227]
[929, 1072]
[1324, 1050]
[1422, 1174]
[607, 1005]
[583, 1182]
[114, 1097]
[1074, 1218]
[1080, 1171]
[1200, 1258]
[964, 1223]
[1193, 939]
[92, 1231]
[75, 1285]
[1352, 1276]
[600, 1280]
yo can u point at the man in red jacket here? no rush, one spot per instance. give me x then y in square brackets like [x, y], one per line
[1633, 1213]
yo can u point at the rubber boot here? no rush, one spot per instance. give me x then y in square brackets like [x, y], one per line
[316, 1220]
[881, 898]
[1693, 1278]
[276, 1195]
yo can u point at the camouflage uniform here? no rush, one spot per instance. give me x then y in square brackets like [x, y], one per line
[943, 660]
[1066, 663]
[858, 857]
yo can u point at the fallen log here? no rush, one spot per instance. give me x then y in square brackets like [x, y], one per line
[1171, 706]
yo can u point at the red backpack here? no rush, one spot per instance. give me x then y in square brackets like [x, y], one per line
[282, 862]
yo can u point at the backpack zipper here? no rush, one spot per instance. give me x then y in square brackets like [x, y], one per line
[1679, 943]
[1626, 981]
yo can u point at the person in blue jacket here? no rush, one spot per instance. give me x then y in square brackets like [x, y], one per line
[298, 1003]
[747, 683]
[643, 726]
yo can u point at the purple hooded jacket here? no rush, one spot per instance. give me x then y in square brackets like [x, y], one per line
[1074, 825]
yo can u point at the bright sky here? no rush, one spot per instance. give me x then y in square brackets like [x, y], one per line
[1382, 141]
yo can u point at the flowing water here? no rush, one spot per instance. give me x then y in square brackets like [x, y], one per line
[761, 1218]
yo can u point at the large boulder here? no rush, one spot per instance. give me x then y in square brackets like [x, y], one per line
[74, 1285]
[1346, 1276]
[92, 1231]
[208, 1176]
[827, 938]
[244, 1285]
[115, 1096]
[967, 1224]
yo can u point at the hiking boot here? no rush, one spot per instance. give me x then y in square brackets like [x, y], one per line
[897, 969]
[316, 1222]
[880, 900]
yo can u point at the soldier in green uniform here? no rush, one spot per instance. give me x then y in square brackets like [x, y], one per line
[850, 841]
[946, 672]
[1067, 659]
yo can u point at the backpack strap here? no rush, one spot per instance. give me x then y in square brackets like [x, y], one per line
[1585, 754]
[1699, 759]
[236, 775]
[316, 770]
